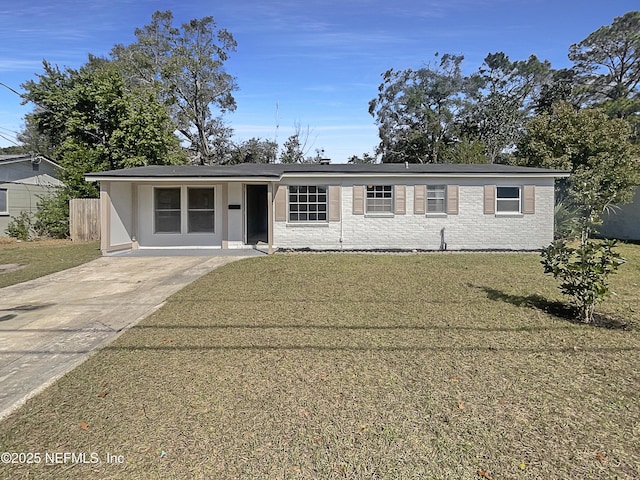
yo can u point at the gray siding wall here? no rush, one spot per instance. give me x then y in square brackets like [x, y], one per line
[623, 223]
[24, 186]
[21, 197]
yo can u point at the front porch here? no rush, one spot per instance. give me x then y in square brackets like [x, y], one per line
[191, 216]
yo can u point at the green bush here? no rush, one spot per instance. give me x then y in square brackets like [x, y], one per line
[52, 217]
[21, 227]
[567, 217]
[583, 271]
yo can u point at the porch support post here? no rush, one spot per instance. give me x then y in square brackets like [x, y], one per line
[134, 217]
[225, 215]
[270, 216]
[105, 217]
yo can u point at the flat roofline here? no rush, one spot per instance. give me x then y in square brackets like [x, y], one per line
[278, 172]
[309, 175]
[179, 179]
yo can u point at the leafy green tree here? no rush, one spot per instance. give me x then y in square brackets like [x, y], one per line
[605, 170]
[503, 98]
[296, 147]
[416, 110]
[92, 122]
[438, 114]
[561, 88]
[596, 149]
[292, 150]
[186, 66]
[35, 141]
[467, 149]
[255, 150]
[365, 158]
[607, 64]
[13, 150]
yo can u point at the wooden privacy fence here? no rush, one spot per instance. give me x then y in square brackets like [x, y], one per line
[84, 219]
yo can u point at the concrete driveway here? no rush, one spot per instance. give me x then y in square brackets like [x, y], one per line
[50, 325]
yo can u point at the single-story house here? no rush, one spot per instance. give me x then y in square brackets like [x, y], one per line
[623, 222]
[23, 180]
[328, 206]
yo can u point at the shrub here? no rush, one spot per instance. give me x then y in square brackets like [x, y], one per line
[567, 220]
[52, 217]
[583, 271]
[21, 227]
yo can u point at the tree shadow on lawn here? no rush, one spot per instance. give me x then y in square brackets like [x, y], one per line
[553, 307]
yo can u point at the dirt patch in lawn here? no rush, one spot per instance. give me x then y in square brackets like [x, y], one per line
[10, 267]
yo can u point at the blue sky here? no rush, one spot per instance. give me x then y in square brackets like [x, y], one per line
[319, 62]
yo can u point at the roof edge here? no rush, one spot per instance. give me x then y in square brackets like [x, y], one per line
[28, 157]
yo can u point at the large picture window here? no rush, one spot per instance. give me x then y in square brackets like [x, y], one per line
[4, 207]
[167, 210]
[379, 199]
[201, 213]
[508, 200]
[307, 203]
[436, 195]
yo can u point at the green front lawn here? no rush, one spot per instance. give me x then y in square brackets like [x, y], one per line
[22, 261]
[354, 366]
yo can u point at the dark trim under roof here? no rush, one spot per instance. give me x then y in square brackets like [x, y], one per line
[277, 170]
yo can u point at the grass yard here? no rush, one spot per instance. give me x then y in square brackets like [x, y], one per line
[332, 366]
[22, 261]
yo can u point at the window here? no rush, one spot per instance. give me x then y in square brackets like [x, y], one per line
[167, 210]
[436, 195]
[508, 200]
[307, 203]
[201, 214]
[4, 208]
[379, 199]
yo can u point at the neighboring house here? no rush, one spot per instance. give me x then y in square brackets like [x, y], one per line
[23, 180]
[335, 206]
[623, 222]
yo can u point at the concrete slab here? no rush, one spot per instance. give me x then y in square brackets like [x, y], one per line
[50, 325]
[190, 252]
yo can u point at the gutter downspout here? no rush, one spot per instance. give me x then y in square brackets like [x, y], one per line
[270, 216]
[341, 216]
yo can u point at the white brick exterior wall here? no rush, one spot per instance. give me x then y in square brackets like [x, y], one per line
[469, 229]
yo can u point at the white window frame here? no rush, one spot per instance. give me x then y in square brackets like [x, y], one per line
[212, 210]
[155, 211]
[5, 192]
[436, 189]
[378, 199]
[306, 200]
[504, 200]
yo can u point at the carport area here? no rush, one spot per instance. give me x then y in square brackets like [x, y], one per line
[51, 324]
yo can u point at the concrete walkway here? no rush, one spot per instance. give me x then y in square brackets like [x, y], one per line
[50, 325]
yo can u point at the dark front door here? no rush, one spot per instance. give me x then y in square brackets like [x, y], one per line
[257, 214]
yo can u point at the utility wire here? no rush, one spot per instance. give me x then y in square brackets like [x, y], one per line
[8, 130]
[10, 140]
[12, 89]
